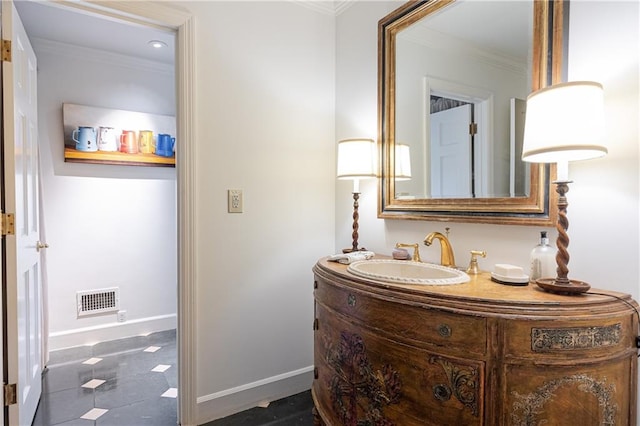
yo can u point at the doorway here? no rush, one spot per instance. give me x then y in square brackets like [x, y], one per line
[182, 23]
[477, 181]
[451, 153]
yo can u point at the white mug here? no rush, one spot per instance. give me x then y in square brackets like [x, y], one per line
[107, 140]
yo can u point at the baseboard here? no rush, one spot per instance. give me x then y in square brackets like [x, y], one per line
[88, 336]
[231, 401]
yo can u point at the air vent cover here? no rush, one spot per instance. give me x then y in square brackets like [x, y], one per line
[101, 301]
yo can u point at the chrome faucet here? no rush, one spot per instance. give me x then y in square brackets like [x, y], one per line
[446, 251]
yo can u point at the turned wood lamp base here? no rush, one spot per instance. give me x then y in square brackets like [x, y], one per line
[562, 284]
[350, 250]
[572, 287]
[354, 234]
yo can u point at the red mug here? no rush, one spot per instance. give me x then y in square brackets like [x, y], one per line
[128, 142]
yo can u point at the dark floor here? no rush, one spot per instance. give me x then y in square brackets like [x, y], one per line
[133, 382]
[292, 411]
[128, 382]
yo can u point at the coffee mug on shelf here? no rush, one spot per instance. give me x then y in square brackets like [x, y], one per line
[128, 142]
[146, 144]
[164, 145]
[107, 139]
[85, 138]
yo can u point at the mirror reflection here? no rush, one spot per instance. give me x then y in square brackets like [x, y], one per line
[453, 76]
[462, 75]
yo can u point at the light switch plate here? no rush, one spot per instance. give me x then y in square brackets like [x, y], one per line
[235, 200]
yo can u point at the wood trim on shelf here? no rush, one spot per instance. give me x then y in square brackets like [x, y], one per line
[118, 158]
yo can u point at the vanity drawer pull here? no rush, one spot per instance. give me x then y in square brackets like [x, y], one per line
[351, 300]
[444, 330]
[442, 392]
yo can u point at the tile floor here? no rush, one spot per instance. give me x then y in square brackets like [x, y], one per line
[133, 382]
[128, 382]
[292, 411]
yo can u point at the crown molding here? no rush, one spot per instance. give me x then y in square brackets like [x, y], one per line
[328, 7]
[342, 5]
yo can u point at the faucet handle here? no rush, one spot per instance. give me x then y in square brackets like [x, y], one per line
[473, 263]
[416, 250]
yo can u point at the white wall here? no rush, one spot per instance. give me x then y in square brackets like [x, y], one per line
[107, 226]
[356, 112]
[603, 202]
[265, 114]
[604, 46]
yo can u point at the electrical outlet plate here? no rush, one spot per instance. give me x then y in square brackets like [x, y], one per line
[122, 316]
[234, 200]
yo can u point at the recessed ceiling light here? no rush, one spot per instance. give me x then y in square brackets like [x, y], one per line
[157, 44]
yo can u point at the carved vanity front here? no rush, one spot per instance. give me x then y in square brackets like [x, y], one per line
[478, 353]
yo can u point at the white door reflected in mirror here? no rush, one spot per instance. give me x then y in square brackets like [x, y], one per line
[451, 159]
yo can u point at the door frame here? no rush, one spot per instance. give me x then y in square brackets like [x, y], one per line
[164, 17]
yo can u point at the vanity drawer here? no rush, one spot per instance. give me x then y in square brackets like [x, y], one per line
[407, 322]
[569, 339]
[362, 375]
[600, 393]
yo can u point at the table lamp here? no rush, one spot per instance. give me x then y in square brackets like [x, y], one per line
[357, 159]
[564, 122]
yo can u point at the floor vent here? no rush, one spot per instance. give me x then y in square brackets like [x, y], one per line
[93, 302]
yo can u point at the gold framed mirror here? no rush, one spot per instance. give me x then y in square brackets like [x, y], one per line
[439, 59]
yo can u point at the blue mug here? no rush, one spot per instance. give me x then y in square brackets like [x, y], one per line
[164, 145]
[85, 138]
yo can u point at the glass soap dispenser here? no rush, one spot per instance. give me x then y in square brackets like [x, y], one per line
[542, 259]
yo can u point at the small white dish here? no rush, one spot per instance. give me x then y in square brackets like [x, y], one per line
[524, 279]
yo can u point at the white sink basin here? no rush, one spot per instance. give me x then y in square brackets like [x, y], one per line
[406, 272]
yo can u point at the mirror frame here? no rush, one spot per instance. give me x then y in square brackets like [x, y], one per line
[540, 207]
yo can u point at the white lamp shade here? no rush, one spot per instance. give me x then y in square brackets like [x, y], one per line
[564, 122]
[403, 162]
[357, 159]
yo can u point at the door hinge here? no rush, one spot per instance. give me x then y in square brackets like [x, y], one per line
[10, 393]
[473, 128]
[315, 324]
[6, 50]
[7, 224]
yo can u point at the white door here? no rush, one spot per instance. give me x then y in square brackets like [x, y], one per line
[451, 153]
[20, 196]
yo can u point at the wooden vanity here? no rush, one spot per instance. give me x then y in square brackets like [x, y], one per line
[478, 353]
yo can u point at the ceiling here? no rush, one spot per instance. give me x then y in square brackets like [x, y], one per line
[59, 23]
